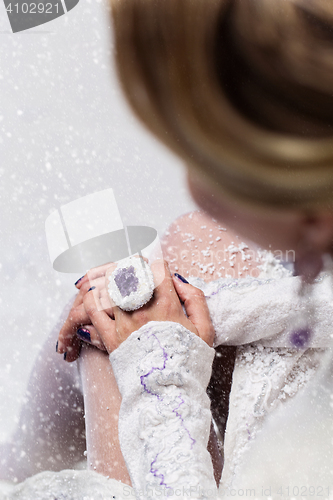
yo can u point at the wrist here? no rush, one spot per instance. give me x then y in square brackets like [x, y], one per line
[165, 345]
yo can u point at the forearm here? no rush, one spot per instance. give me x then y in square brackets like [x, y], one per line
[101, 404]
[162, 371]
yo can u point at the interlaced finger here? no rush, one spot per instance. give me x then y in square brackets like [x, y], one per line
[101, 320]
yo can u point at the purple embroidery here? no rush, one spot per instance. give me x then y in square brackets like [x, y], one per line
[142, 377]
[165, 357]
[182, 420]
[300, 338]
[160, 476]
[126, 280]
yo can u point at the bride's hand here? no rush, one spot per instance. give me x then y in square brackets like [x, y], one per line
[164, 306]
[107, 326]
[69, 341]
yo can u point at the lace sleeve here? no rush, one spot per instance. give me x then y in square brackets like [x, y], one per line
[250, 310]
[162, 372]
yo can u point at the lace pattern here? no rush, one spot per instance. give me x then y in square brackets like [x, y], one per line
[168, 394]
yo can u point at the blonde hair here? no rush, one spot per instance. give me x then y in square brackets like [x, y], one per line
[242, 90]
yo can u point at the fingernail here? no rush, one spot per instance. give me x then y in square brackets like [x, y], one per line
[57, 346]
[181, 278]
[83, 334]
[65, 356]
[92, 288]
[78, 281]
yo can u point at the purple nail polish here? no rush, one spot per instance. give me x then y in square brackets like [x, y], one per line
[78, 281]
[65, 356]
[181, 278]
[83, 334]
[92, 288]
[57, 346]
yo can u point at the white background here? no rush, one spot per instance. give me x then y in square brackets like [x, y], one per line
[65, 132]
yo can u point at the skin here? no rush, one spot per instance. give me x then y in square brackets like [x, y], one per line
[102, 402]
[113, 325]
[308, 233]
[197, 245]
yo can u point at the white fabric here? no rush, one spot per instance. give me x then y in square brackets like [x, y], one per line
[67, 485]
[268, 371]
[259, 310]
[165, 413]
[293, 455]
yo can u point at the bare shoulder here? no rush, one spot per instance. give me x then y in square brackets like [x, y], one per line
[197, 245]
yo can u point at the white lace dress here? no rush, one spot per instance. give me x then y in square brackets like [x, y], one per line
[269, 370]
[163, 370]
